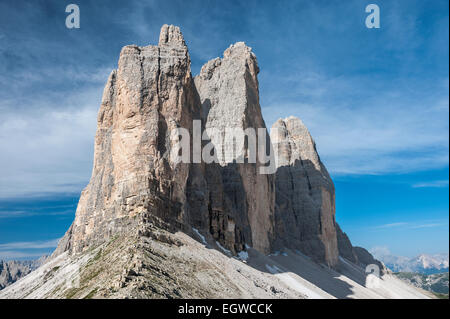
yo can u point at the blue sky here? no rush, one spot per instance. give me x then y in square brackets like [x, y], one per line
[375, 100]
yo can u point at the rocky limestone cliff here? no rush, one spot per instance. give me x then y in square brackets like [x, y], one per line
[133, 179]
[137, 188]
[305, 203]
[229, 94]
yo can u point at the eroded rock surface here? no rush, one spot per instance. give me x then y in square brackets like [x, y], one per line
[305, 202]
[345, 247]
[151, 93]
[229, 93]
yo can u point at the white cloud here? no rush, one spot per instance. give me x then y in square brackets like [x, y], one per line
[14, 255]
[380, 251]
[413, 225]
[431, 184]
[391, 225]
[27, 250]
[47, 148]
[427, 225]
[30, 245]
[386, 133]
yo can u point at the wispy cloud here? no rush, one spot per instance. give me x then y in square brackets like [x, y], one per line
[27, 213]
[27, 249]
[382, 134]
[46, 147]
[14, 255]
[30, 245]
[438, 184]
[391, 225]
[412, 225]
[427, 225]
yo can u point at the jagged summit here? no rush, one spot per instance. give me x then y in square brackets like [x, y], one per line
[171, 35]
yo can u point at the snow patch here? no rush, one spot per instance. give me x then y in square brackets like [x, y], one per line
[276, 253]
[223, 248]
[199, 235]
[273, 269]
[243, 255]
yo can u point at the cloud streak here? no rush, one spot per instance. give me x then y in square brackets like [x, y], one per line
[30, 245]
[432, 184]
[411, 225]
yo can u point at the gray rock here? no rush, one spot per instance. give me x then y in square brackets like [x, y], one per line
[345, 247]
[133, 179]
[229, 94]
[365, 258]
[305, 199]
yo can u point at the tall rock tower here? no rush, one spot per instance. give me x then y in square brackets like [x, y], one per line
[305, 199]
[151, 93]
[229, 93]
[134, 180]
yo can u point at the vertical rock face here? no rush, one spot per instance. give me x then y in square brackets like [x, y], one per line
[151, 93]
[134, 180]
[345, 247]
[305, 203]
[229, 93]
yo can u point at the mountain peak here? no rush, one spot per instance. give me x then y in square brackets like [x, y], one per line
[171, 35]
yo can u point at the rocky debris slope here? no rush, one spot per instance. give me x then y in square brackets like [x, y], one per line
[174, 265]
[13, 270]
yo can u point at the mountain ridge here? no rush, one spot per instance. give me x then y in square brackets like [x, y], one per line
[424, 263]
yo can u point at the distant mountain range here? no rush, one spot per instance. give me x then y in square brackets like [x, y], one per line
[436, 283]
[423, 264]
[13, 270]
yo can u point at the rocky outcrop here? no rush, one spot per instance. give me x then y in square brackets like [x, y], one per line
[305, 202]
[365, 258]
[345, 247]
